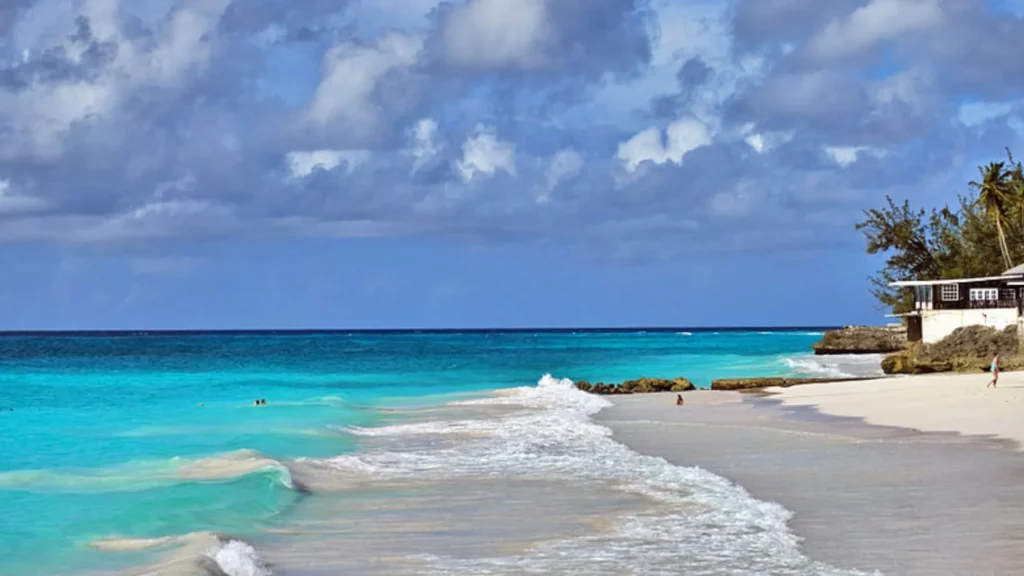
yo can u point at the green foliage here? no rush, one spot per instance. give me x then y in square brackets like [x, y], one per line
[982, 236]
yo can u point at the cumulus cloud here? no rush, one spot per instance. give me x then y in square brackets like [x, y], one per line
[485, 154]
[565, 164]
[570, 37]
[846, 155]
[772, 121]
[497, 33]
[651, 145]
[304, 163]
[344, 99]
[877, 21]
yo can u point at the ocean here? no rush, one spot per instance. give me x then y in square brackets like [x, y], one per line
[375, 453]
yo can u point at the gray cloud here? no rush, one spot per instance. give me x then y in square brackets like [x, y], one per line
[553, 39]
[120, 139]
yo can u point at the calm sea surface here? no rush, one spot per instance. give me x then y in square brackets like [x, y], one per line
[375, 453]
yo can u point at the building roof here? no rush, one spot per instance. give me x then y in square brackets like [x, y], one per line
[1015, 271]
[906, 283]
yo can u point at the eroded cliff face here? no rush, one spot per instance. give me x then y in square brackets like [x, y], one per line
[968, 349]
[862, 340]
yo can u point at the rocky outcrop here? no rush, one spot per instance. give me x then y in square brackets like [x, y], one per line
[862, 340]
[741, 384]
[968, 349]
[639, 386]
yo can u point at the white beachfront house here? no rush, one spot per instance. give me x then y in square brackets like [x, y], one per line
[942, 306]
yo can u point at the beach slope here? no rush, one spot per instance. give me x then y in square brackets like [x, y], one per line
[887, 498]
[958, 403]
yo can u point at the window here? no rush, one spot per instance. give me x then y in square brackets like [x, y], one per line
[984, 294]
[950, 292]
[1007, 294]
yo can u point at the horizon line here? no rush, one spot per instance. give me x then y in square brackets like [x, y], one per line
[314, 331]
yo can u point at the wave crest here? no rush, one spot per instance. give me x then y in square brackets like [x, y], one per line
[197, 553]
[148, 474]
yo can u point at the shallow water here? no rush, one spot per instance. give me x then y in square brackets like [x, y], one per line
[374, 454]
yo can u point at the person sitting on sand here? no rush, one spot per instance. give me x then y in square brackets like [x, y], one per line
[994, 369]
[679, 400]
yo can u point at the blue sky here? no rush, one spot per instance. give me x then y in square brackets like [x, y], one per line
[479, 163]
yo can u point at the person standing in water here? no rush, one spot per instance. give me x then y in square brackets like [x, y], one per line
[994, 369]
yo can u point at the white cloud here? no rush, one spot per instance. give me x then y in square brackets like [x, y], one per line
[975, 113]
[844, 156]
[40, 116]
[683, 136]
[495, 33]
[304, 163]
[762, 142]
[351, 73]
[565, 164]
[424, 145]
[485, 154]
[877, 21]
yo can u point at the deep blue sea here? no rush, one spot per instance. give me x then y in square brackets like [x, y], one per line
[114, 446]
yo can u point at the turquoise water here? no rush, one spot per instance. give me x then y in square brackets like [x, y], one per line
[145, 436]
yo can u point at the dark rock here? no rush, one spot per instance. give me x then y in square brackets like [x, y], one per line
[741, 384]
[639, 386]
[682, 385]
[861, 340]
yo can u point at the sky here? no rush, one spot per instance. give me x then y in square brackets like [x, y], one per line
[243, 164]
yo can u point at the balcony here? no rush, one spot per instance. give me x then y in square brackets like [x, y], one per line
[1000, 303]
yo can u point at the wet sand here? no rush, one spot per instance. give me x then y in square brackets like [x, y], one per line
[864, 496]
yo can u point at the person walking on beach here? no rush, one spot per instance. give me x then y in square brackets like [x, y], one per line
[994, 369]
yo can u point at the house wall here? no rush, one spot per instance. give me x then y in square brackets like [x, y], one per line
[937, 324]
[963, 301]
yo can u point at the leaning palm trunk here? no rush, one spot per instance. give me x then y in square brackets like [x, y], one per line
[1003, 247]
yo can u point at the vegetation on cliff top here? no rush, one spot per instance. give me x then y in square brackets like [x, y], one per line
[982, 236]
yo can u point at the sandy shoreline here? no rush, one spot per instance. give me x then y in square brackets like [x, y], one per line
[958, 403]
[881, 478]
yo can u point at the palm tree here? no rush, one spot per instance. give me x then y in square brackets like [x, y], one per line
[1015, 190]
[993, 195]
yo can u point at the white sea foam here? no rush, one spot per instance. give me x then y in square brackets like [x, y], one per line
[836, 366]
[196, 553]
[708, 524]
[237, 558]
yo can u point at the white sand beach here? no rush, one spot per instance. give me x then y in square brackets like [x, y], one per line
[929, 482]
[936, 403]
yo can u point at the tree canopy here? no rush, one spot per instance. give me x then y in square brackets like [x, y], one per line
[982, 235]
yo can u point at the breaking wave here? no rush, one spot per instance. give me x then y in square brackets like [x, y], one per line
[704, 522]
[148, 474]
[836, 366]
[195, 554]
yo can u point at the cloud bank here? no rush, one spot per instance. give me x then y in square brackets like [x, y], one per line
[636, 128]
